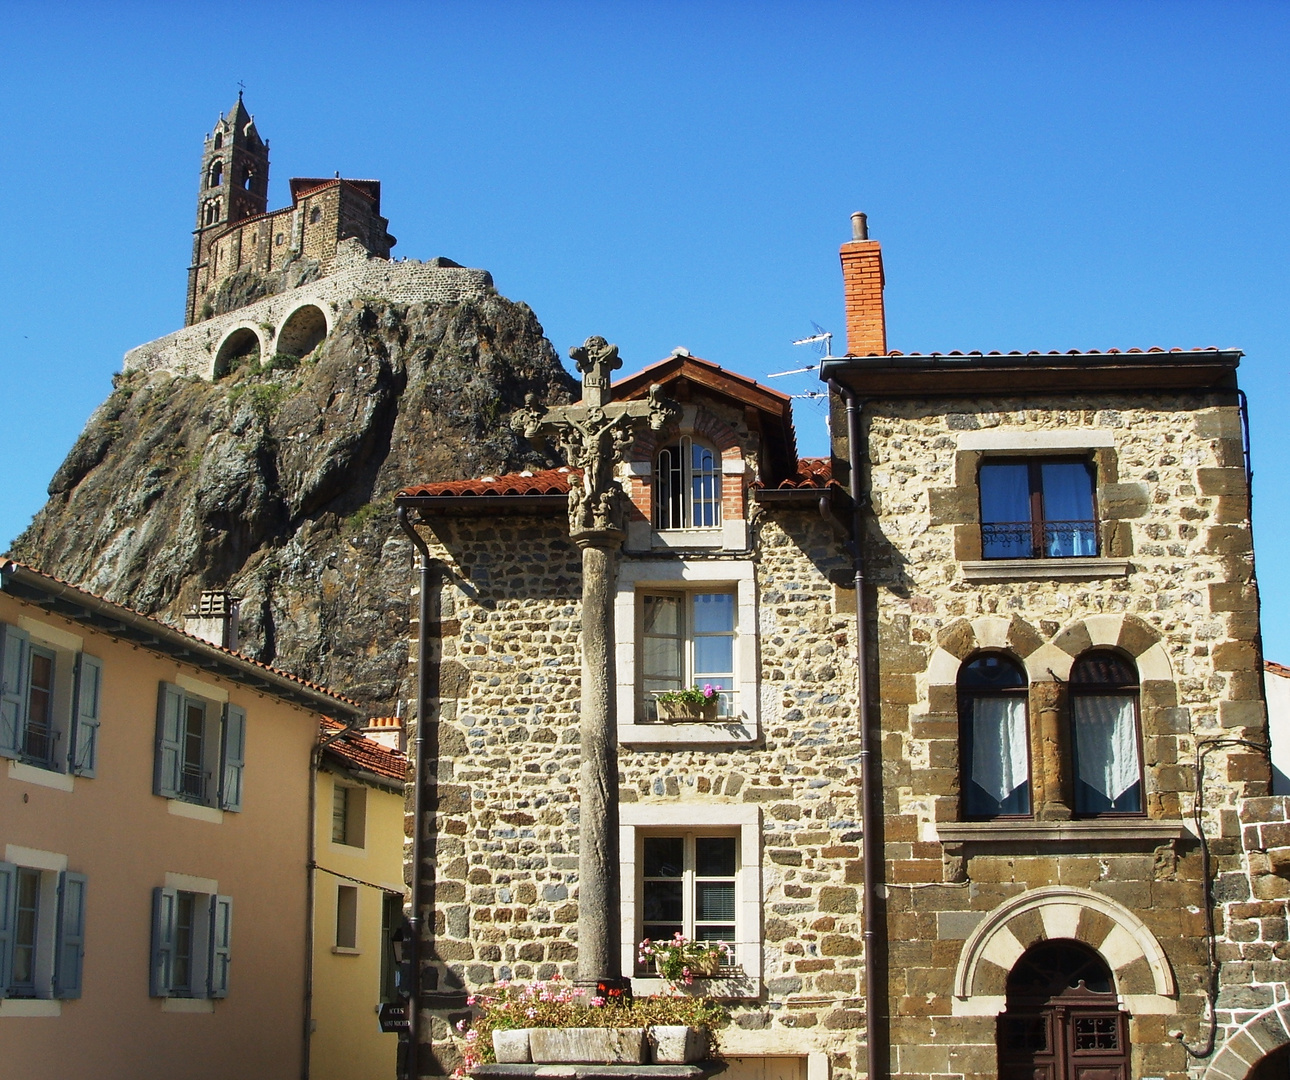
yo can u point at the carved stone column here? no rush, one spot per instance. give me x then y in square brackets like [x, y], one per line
[595, 434]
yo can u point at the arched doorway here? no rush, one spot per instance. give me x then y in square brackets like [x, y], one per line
[1276, 1066]
[1062, 1020]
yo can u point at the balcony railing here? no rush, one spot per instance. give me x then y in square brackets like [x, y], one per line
[1028, 540]
[38, 743]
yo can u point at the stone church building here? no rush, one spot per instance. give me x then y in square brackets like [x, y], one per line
[1029, 834]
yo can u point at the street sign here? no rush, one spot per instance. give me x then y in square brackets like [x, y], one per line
[393, 1016]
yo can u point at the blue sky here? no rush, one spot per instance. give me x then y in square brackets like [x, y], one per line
[1042, 176]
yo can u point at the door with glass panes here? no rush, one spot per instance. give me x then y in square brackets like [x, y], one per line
[1062, 1020]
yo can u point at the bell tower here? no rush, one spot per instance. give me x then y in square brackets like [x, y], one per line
[234, 185]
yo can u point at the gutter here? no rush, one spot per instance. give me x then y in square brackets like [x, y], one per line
[424, 689]
[871, 853]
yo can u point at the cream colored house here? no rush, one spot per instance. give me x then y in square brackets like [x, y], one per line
[154, 844]
[358, 902]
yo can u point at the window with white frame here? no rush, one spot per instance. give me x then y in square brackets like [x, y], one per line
[200, 749]
[49, 700]
[42, 930]
[687, 486]
[678, 623]
[191, 943]
[693, 870]
[687, 640]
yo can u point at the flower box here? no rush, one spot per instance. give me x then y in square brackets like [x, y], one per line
[688, 712]
[587, 1046]
[677, 1044]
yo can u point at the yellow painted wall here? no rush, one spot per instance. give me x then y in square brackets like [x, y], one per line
[113, 829]
[347, 1042]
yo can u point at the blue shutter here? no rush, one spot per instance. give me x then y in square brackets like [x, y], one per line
[13, 688]
[8, 899]
[69, 948]
[232, 757]
[84, 752]
[170, 712]
[221, 938]
[163, 940]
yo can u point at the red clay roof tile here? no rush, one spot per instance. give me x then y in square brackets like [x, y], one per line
[359, 752]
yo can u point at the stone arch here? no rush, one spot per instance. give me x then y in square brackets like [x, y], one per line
[963, 637]
[1133, 636]
[216, 175]
[1143, 977]
[695, 421]
[240, 342]
[302, 331]
[1254, 1040]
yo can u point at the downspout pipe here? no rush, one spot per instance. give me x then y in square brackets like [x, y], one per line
[418, 788]
[871, 853]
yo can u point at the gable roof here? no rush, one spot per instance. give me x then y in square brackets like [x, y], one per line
[305, 185]
[60, 598]
[768, 412]
[358, 754]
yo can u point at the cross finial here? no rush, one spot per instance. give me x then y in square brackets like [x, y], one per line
[596, 358]
[240, 87]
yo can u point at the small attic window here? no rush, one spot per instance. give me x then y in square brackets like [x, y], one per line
[687, 491]
[216, 174]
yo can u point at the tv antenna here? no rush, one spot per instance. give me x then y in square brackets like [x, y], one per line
[821, 342]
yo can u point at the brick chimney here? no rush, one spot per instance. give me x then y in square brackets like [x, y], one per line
[862, 283]
[215, 619]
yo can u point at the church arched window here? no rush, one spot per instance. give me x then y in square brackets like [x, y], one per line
[687, 486]
[216, 174]
[211, 213]
[219, 140]
[247, 180]
[315, 215]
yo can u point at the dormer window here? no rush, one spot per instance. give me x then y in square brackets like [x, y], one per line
[687, 486]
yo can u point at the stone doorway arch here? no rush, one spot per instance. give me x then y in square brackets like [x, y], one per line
[302, 331]
[1256, 1050]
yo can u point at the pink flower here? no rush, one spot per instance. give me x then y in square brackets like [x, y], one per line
[597, 1002]
[707, 690]
[470, 999]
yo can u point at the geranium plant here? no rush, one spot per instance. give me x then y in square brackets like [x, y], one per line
[691, 695]
[678, 959]
[557, 1003]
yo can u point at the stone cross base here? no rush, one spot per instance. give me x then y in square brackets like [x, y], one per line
[597, 1072]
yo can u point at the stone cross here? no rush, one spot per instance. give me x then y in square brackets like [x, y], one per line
[595, 434]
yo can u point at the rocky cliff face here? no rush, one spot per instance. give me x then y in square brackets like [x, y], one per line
[278, 483]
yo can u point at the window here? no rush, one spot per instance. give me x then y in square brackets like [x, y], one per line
[994, 738]
[687, 639]
[49, 703]
[200, 751]
[247, 180]
[693, 869]
[348, 815]
[219, 139]
[191, 943]
[1040, 508]
[347, 917]
[391, 920]
[687, 487]
[1104, 734]
[216, 174]
[315, 215]
[42, 931]
[688, 887]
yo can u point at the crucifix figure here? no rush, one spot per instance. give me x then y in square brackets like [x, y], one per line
[595, 434]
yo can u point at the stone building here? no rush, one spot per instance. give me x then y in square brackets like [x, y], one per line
[267, 284]
[1030, 835]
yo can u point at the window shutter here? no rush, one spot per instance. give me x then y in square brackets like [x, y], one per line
[232, 757]
[221, 937]
[70, 946]
[8, 888]
[84, 751]
[170, 711]
[163, 940]
[13, 667]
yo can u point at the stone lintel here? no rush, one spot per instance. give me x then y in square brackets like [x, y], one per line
[1092, 834]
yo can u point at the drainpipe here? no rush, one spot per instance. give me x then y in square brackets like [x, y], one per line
[418, 786]
[871, 853]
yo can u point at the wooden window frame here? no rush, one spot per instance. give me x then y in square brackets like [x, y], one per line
[1038, 522]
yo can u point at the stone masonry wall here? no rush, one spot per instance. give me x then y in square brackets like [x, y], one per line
[192, 350]
[504, 836]
[1172, 498]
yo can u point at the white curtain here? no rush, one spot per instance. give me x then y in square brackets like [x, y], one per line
[1106, 742]
[1000, 756]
